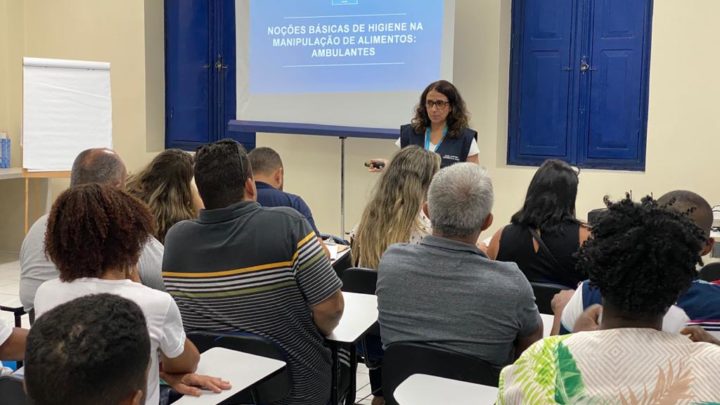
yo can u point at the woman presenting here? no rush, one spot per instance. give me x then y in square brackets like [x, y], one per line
[440, 125]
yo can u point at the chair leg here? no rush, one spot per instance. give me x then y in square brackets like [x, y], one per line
[334, 399]
[350, 398]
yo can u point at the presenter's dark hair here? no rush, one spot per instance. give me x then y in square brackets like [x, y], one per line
[98, 165]
[458, 117]
[93, 228]
[92, 350]
[221, 170]
[550, 198]
[641, 256]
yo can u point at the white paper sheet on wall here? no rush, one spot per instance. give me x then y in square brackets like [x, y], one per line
[66, 109]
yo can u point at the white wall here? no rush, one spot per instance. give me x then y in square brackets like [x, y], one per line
[126, 33]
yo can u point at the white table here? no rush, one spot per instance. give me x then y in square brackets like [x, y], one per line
[547, 320]
[337, 251]
[422, 389]
[359, 316]
[337, 256]
[241, 369]
[18, 173]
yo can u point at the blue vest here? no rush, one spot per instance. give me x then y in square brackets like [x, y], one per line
[451, 150]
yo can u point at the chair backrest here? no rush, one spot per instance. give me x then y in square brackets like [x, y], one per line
[544, 293]
[359, 280]
[12, 392]
[362, 281]
[273, 388]
[710, 272]
[401, 360]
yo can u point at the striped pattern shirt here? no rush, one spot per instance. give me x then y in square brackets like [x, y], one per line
[245, 268]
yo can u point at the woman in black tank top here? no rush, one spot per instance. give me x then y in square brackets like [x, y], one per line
[544, 234]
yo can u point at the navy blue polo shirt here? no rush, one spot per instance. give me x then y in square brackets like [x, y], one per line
[269, 196]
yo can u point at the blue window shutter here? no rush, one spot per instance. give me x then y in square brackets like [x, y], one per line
[618, 85]
[188, 63]
[542, 72]
[200, 69]
[227, 47]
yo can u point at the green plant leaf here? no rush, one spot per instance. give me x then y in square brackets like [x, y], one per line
[569, 386]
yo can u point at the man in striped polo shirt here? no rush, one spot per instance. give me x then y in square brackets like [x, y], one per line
[241, 267]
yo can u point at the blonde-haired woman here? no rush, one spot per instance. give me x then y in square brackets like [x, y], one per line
[166, 186]
[393, 215]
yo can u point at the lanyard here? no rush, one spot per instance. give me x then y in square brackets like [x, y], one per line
[427, 139]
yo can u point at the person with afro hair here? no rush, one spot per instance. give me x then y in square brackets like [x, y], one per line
[698, 306]
[641, 257]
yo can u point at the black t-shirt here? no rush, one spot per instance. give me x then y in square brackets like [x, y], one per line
[516, 245]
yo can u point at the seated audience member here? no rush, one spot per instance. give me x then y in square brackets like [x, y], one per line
[91, 350]
[269, 175]
[641, 257]
[166, 186]
[102, 166]
[394, 213]
[444, 291]
[699, 305]
[12, 342]
[241, 267]
[544, 235]
[95, 234]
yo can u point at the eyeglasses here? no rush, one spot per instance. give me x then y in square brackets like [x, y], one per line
[436, 103]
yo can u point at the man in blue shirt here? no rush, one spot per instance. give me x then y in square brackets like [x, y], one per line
[269, 175]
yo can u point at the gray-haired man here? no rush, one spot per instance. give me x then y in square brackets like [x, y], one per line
[444, 291]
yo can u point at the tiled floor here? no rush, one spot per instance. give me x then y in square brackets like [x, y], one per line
[10, 278]
[363, 384]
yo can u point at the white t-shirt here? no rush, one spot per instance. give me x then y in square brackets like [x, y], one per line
[161, 314]
[474, 150]
[673, 322]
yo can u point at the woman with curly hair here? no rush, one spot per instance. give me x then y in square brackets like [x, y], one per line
[440, 125]
[166, 186]
[641, 256]
[94, 236]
